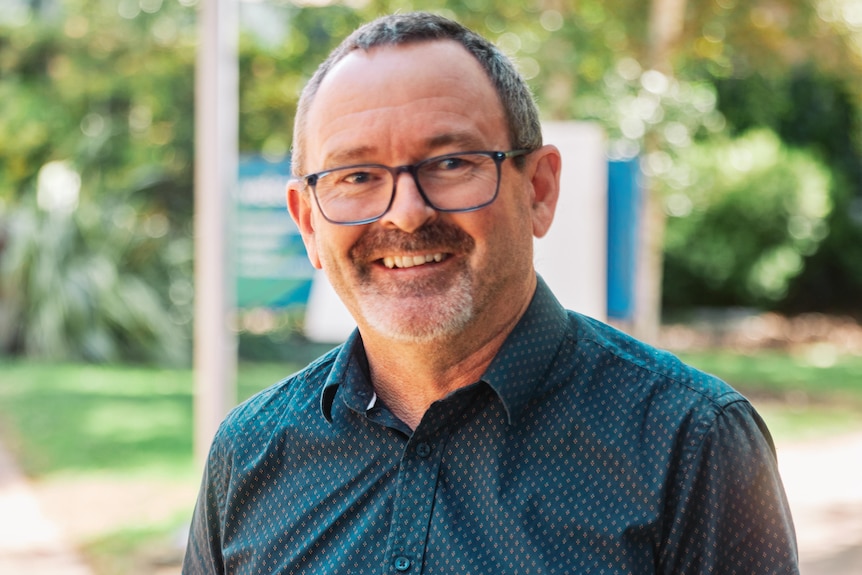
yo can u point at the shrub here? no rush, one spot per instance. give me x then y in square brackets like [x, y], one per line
[74, 286]
[739, 232]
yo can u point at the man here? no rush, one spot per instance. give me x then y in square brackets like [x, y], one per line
[470, 425]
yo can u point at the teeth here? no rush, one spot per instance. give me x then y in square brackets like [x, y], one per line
[410, 261]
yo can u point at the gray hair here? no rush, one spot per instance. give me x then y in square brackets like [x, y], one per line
[522, 116]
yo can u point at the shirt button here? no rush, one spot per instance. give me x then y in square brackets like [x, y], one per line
[402, 563]
[423, 450]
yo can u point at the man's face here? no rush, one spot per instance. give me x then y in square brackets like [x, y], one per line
[417, 274]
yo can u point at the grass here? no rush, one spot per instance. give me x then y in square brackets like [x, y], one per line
[82, 418]
[820, 373]
[136, 550]
[789, 422]
[59, 418]
[73, 424]
[800, 395]
[64, 422]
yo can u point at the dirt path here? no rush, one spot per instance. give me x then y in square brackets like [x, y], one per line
[823, 480]
[30, 542]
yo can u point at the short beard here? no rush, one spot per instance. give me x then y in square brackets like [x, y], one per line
[419, 312]
[412, 324]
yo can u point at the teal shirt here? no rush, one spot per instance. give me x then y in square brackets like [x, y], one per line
[581, 450]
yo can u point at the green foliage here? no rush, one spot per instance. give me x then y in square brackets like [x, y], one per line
[106, 92]
[272, 74]
[107, 89]
[808, 108]
[650, 114]
[740, 231]
[86, 293]
[111, 94]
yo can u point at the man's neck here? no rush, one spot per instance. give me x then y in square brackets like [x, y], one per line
[409, 377]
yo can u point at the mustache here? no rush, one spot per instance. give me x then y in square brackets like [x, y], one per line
[435, 236]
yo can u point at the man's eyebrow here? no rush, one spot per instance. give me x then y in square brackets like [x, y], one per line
[349, 156]
[466, 141]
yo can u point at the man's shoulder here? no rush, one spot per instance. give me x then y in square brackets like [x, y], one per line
[276, 404]
[604, 349]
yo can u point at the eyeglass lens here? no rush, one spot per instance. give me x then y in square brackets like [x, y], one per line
[448, 183]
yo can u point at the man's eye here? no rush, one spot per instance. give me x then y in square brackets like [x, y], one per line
[357, 178]
[448, 164]
[452, 164]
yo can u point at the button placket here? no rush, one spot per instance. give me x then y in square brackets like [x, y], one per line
[418, 477]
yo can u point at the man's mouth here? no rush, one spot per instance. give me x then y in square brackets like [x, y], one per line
[409, 261]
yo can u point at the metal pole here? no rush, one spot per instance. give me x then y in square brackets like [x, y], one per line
[216, 141]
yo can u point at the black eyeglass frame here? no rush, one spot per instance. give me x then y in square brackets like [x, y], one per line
[413, 169]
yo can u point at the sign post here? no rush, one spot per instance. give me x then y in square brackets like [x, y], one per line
[216, 139]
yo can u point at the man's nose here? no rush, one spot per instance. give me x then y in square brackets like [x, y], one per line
[409, 210]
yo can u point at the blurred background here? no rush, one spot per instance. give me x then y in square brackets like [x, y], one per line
[743, 119]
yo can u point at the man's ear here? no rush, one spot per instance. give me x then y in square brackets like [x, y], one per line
[299, 206]
[545, 179]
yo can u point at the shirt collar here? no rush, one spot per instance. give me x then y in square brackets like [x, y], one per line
[516, 374]
[520, 370]
[349, 362]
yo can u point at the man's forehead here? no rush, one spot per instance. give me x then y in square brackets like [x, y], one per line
[389, 87]
[392, 75]
[388, 54]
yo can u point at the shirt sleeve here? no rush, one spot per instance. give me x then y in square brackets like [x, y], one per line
[203, 552]
[727, 511]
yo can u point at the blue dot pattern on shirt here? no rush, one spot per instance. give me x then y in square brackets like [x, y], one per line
[581, 450]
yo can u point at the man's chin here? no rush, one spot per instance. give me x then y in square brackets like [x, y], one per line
[418, 318]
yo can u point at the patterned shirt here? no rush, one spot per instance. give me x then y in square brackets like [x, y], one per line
[580, 450]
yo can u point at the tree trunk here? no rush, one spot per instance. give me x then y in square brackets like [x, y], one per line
[665, 27]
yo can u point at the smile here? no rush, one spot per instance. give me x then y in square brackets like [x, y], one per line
[401, 262]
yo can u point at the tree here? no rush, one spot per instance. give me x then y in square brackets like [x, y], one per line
[106, 89]
[106, 94]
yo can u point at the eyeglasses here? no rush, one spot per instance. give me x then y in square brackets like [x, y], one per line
[361, 194]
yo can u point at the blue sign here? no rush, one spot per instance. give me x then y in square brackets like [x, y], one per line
[273, 270]
[624, 200]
